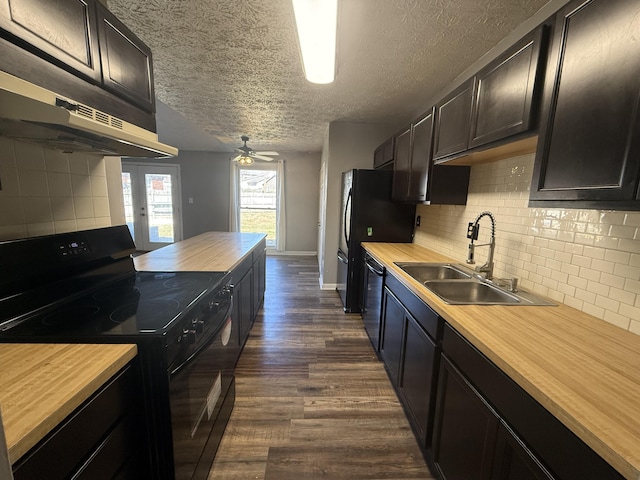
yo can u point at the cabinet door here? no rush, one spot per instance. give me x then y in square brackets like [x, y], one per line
[504, 100]
[514, 461]
[453, 118]
[393, 318]
[383, 155]
[420, 158]
[127, 67]
[63, 31]
[589, 145]
[401, 166]
[243, 296]
[465, 429]
[258, 284]
[417, 376]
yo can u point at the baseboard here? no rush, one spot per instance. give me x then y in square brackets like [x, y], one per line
[328, 286]
[299, 253]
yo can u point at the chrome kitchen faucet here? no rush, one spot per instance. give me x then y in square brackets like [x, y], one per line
[472, 233]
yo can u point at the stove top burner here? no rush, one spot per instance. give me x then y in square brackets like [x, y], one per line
[139, 303]
[180, 282]
[70, 315]
[153, 311]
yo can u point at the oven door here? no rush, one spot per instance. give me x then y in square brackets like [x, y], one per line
[199, 414]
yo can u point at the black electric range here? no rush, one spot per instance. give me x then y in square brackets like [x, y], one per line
[82, 287]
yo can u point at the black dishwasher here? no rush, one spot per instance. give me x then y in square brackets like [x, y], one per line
[371, 301]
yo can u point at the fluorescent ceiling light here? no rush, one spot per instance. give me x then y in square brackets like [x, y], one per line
[316, 21]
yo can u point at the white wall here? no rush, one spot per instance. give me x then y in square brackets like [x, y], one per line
[347, 146]
[302, 196]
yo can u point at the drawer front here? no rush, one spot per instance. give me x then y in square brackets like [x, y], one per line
[427, 318]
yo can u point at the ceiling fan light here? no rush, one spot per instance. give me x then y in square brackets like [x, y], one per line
[316, 21]
[245, 160]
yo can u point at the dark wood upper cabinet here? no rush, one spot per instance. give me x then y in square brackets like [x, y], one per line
[416, 179]
[126, 61]
[383, 155]
[422, 140]
[589, 145]
[64, 32]
[453, 119]
[505, 92]
[401, 166]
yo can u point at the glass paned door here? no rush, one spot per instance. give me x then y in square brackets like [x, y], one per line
[152, 204]
[258, 202]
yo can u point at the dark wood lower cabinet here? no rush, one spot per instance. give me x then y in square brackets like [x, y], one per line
[410, 351]
[488, 427]
[249, 282]
[465, 429]
[392, 335]
[104, 438]
[514, 461]
[418, 366]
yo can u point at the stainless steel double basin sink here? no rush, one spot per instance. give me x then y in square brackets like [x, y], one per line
[458, 285]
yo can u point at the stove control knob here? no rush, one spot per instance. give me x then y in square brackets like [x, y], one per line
[214, 306]
[189, 335]
[197, 325]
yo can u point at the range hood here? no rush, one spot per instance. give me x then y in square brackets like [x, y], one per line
[34, 114]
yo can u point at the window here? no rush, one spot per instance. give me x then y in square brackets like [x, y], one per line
[258, 202]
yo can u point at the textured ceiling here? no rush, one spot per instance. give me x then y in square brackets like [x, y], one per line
[232, 67]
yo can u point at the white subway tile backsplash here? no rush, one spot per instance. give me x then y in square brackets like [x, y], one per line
[83, 207]
[62, 208]
[37, 209]
[38, 229]
[11, 212]
[7, 153]
[33, 183]
[47, 191]
[56, 161]
[101, 206]
[29, 156]
[9, 180]
[587, 259]
[81, 185]
[99, 186]
[64, 226]
[78, 164]
[59, 184]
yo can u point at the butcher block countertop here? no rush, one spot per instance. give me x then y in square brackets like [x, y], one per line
[208, 252]
[583, 370]
[41, 384]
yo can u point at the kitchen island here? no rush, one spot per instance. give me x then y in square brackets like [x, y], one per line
[42, 384]
[207, 252]
[582, 370]
[241, 254]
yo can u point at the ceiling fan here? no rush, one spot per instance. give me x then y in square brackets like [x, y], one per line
[246, 155]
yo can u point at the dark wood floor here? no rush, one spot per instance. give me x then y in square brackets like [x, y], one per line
[313, 401]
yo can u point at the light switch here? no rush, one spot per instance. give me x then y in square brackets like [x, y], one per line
[190, 199]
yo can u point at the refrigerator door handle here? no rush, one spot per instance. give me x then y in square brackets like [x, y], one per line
[342, 258]
[347, 206]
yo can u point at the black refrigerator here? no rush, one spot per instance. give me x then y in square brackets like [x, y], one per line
[367, 215]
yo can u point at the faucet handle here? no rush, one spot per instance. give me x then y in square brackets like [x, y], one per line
[472, 231]
[513, 284]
